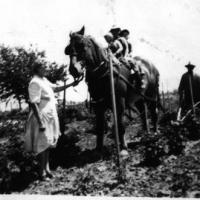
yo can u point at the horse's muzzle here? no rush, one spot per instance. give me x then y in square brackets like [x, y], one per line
[76, 68]
[67, 50]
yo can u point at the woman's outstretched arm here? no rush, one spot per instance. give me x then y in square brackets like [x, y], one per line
[60, 88]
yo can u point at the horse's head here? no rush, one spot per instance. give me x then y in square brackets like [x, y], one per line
[75, 50]
[84, 52]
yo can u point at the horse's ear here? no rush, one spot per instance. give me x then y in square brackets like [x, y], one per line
[70, 34]
[82, 31]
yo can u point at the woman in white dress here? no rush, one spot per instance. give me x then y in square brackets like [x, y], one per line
[42, 128]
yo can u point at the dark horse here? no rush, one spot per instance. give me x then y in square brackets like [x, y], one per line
[85, 53]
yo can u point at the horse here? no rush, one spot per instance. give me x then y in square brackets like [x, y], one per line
[87, 55]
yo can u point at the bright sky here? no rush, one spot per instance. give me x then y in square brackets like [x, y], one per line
[166, 32]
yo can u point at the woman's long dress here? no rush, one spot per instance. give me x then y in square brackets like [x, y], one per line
[41, 92]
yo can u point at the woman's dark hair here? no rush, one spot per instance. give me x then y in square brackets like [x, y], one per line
[36, 67]
[129, 47]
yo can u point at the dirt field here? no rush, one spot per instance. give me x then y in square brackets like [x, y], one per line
[163, 165]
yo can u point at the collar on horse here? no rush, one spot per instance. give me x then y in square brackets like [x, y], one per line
[98, 68]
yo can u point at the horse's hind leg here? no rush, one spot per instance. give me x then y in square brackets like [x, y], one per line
[154, 115]
[100, 124]
[142, 107]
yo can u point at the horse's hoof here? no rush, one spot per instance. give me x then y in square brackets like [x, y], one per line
[124, 153]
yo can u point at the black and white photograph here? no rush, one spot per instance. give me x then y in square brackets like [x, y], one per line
[100, 98]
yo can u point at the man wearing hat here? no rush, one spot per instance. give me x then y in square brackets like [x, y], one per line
[121, 49]
[122, 37]
[115, 32]
[136, 69]
[114, 45]
[189, 89]
[112, 38]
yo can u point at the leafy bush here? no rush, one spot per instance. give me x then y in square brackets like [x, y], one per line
[15, 71]
[17, 167]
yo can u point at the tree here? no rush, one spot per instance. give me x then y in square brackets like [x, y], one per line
[55, 72]
[15, 71]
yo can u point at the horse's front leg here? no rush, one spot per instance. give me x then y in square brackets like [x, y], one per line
[100, 126]
[121, 129]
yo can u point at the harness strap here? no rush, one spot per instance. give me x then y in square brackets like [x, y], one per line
[97, 101]
[120, 76]
[129, 84]
[97, 68]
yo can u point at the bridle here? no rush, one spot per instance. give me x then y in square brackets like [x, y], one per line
[87, 41]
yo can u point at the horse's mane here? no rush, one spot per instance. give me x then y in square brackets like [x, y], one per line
[100, 51]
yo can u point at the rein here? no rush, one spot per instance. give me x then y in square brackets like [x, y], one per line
[78, 80]
[136, 90]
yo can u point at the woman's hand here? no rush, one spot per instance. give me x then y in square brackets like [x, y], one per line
[41, 127]
[75, 83]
